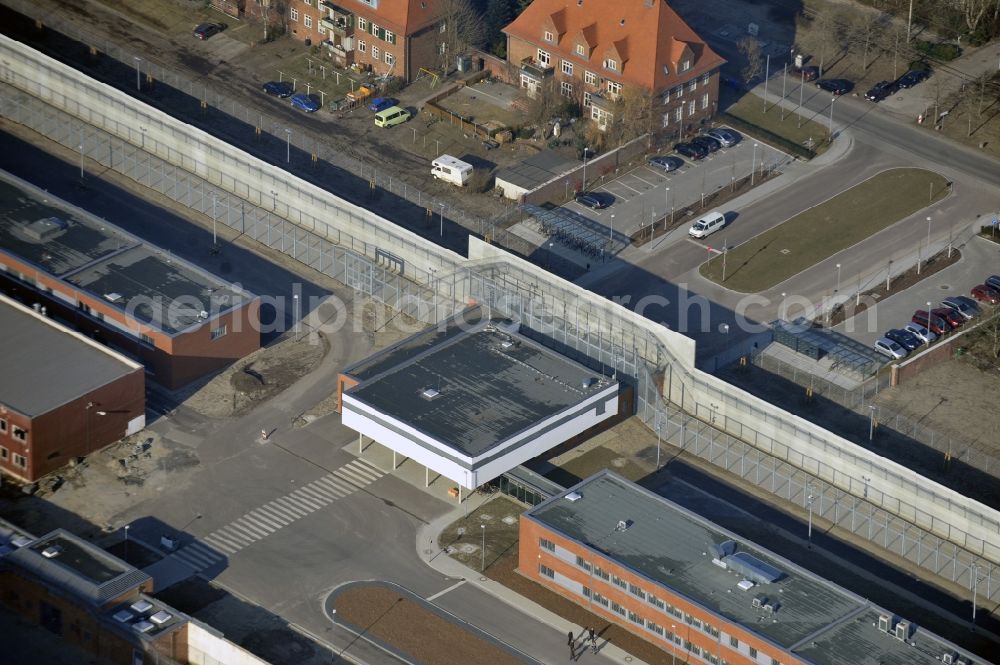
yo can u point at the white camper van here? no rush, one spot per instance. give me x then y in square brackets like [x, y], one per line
[451, 170]
[707, 225]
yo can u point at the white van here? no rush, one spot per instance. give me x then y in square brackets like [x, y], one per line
[451, 170]
[707, 225]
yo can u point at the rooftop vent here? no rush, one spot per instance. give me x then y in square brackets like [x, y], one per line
[142, 626]
[746, 585]
[948, 658]
[113, 297]
[141, 606]
[759, 600]
[430, 394]
[506, 344]
[52, 551]
[724, 549]
[202, 314]
[161, 618]
[122, 616]
[623, 525]
[45, 229]
[574, 496]
[20, 541]
[885, 623]
[587, 382]
[903, 630]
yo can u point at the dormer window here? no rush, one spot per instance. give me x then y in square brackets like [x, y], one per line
[685, 65]
[611, 64]
[549, 37]
[581, 50]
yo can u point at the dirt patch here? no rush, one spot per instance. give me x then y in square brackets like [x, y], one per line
[396, 619]
[463, 540]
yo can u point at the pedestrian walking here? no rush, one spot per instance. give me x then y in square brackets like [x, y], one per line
[593, 641]
[571, 640]
[263, 434]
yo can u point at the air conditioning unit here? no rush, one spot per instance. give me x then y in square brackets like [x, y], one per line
[903, 630]
[758, 601]
[948, 658]
[885, 623]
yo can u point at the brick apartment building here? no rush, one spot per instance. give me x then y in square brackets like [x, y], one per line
[702, 593]
[176, 319]
[389, 37]
[594, 49]
[62, 395]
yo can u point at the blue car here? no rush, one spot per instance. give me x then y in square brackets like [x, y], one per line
[381, 104]
[280, 89]
[305, 102]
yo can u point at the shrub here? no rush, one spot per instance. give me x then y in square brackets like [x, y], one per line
[764, 135]
[480, 181]
[944, 52]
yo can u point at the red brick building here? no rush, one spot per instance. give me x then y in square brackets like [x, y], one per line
[594, 49]
[389, 37]
[176, 319]
[702, 593]
[62, 395]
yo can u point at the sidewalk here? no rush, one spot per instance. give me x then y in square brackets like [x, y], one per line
[427, 541]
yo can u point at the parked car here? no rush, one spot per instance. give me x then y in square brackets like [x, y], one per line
[993, 281]
[205, 30]
[381, 104]
[725, 136]
[904, 338]
[920, 332]
[666, 162]
[691, 150]
[305, 102]
[889, 348]
[280, 89]
[951, 316]
[808, 73]
[880, 91]
[934, 323]
[391, 116]
[984, 293]
[591, 200]
[836, 86]
[707, 142]
[912, 78]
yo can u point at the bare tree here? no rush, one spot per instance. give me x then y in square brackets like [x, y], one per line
[463, 29]
[828, 30]
[633, 115]
[544, 104]
[972, 11]
[865, 28]
[749, 48]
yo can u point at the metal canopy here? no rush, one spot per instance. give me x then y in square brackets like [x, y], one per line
[577, 231]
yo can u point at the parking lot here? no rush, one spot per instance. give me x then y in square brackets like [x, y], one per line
[647, 193]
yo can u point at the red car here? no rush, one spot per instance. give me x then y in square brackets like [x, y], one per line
[954, 319]
[930, 321]
[984, 293]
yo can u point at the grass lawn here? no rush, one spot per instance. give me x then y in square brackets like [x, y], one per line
[464, 538]
[750, 108]
[824, 230]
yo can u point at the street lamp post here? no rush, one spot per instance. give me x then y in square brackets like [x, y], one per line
[126, 543]
[753, 164]
[482, 567]
[215, 201]
[832, 100]
[838, 279]
[928, 237]
[871, 424]
[975, 588]
[81, 161]
[666, 205]
[137, 61]
[586, 151]
[441, 233]
[928, 313]
[288, 145]
[657, 443]
[673, 652]
[809, 499]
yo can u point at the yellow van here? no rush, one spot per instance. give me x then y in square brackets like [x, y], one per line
[391, 116]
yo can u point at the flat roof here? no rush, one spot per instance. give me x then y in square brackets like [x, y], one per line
[67, 562]
[537, 169]
[673, 547]
[107, 262]
[486, 384]
[44, 365]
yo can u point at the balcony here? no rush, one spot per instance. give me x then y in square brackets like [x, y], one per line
[535, 70]
[339, 21]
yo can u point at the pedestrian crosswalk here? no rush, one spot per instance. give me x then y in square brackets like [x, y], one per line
[264, 520]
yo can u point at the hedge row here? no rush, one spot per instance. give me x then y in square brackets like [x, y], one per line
[767, 136]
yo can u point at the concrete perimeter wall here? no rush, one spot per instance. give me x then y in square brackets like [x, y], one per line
[491, 274]
[205, 647]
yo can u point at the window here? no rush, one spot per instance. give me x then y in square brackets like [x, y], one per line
[692, 85]
[580, 561]
[146, 339]
[307, 21]
[617, 581]
[362, 46]
[375, 52]
[581, 50]
[309, 2]
[20, 433]
[603, 574]
[695, 649]
[444, 26]
[4, 453]
[611, 64]
[294, 14]
[686, 65]
[545, 571]
[679, 91]
[615, 607]
[598, 598]
[543, 57]
[3, 426]
[566, 88]
[362, 24]
[389, 58]
[704, 101]
[666, 98]
[636, 591]
[390, 37]
[321, 28]
[218, 332]
[705, 78]
[547, 544]
[590, 78]
[691, 108]
[734, 642]
[653, 600]
[635, 618]
[587, 99]
[614, 88]
[443, 48]
[656, 628]
[549, 37]
[567, 67]
[20, 461]
[753, 653]
[775, 661]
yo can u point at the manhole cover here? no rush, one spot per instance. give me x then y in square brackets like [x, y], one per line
[945, 287]
[786, 251]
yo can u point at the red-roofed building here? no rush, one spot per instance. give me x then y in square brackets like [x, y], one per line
[594, 48]
[392, 37]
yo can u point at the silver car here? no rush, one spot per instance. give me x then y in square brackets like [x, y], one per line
[921, 333]
[725, 136]
[889, 348]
